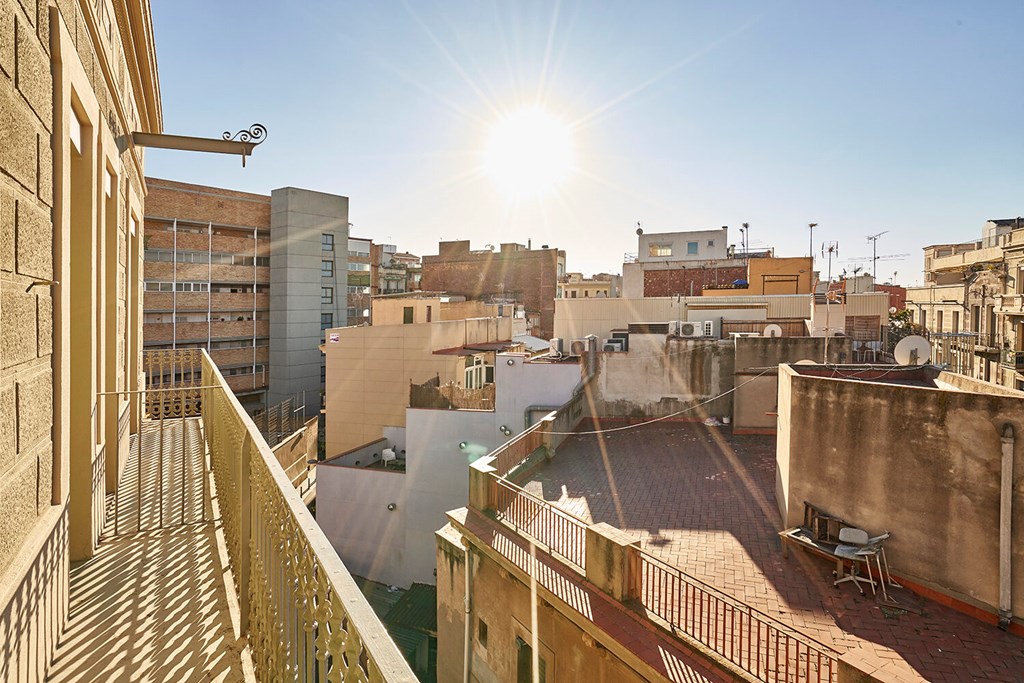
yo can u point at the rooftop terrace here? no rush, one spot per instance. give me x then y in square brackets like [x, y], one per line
[703, 500]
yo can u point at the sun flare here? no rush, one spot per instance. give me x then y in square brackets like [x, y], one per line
[529, 153]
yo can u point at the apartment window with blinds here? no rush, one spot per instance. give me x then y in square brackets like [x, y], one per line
[327, 295]
[660, 250]
[327, 242]
[327, 269]
[326, 321]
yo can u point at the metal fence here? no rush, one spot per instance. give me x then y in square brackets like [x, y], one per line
[753, 641]
[561, 532]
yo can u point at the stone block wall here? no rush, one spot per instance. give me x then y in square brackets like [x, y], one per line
[26, 257]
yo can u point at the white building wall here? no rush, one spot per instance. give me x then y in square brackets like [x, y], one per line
[397, 547]
[711, 244]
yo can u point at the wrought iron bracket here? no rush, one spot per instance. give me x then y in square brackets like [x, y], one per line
[242, 143]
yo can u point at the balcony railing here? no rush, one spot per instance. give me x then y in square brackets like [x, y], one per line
[1009, 358]
[305, 617]
[753, 641]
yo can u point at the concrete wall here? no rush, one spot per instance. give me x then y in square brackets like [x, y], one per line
[922, 463]
[392, 311]
[298, 219]
[755, 403]
[435, 479]
[661, 375]
[501, 599]
[576, 318]
[774, 276]
[59, 285]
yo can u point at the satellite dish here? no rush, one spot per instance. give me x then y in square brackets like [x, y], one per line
[892, 309]
[805, 362]
[772, 330]
[913, 350]
[639, 231]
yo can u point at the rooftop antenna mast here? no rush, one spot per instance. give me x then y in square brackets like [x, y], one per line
[830, 249]
[874, 254]
[810, 242]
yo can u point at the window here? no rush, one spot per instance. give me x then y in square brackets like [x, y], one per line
[711, 243]
[524, 663]
[327, 295]
[327, 269]
[327, 242]
[573, 294]
[956, 321]
[660, 250]
[358, 266]
[326, 321]
[691, 247]
[481, 633]
[407, 313]
[477, 372]
[429, 314]
[938, 321]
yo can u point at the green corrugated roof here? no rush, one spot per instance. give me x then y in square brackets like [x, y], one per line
[381, 598]
[416, 609]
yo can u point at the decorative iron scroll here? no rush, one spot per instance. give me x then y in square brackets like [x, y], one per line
[173, 378]
[255, 134]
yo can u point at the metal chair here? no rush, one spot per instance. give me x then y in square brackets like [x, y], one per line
[855, 545]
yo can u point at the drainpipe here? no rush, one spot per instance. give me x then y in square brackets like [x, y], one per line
[1005, 510]
[467, 606]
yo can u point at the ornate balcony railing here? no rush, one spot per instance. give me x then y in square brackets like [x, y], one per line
[305, 618]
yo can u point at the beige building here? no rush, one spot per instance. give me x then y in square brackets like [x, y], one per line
[75, 78]
[771, 275]
[972, 303]
[425, 307]
[575, 286]
[370, 369]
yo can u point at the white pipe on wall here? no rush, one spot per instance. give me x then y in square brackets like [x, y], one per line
[1005, 537]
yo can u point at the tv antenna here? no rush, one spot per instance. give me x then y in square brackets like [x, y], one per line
[874, 253]
[830, 249]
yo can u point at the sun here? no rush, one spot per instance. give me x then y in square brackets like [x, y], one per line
[529, 153]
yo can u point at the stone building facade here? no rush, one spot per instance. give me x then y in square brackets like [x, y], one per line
[514, 273]
[76, 79]
[972, 303]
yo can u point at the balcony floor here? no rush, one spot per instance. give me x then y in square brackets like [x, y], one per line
[155, 604]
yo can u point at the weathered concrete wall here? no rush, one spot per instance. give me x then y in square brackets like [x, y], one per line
[500, 599]
[661, 375]
[922, 463]
[755, 403]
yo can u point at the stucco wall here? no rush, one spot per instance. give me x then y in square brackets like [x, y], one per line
[922, 463]
[369, 370]
[436, 478]
[755, 403]
[659, 376]
[501, 599]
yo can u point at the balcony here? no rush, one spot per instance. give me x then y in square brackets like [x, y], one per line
[210, 566]
[1014, 360]
[450, 396]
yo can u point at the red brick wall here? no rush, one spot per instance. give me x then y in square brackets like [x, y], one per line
[687, 281]
[897, 295]
[171, 199]
[528, 275]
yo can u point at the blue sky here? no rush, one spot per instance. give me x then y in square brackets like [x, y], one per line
[859, 116]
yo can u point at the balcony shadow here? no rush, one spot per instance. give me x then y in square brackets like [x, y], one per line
[703, 500]
[153, 604]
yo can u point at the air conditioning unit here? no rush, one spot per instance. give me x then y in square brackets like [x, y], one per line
[624, 337]
[690, 329]
[613, 344]
[577, 347]
[556, 347]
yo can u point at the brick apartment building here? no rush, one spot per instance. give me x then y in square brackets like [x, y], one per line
[513, 273]
[211, 256]
[207, 278]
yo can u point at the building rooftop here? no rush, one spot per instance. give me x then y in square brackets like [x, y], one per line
[704, 501]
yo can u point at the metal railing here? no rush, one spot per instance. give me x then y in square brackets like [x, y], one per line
[514, 452]
[755, 642]
[560, 531]
[305, 617]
